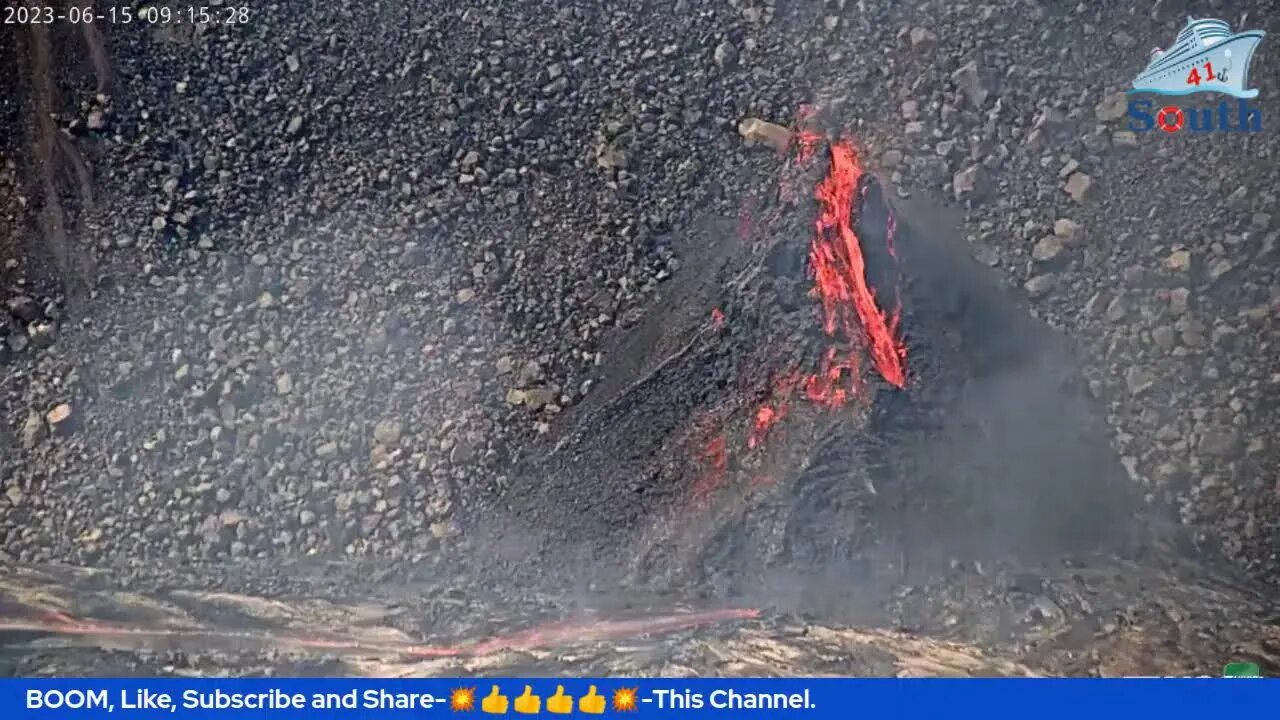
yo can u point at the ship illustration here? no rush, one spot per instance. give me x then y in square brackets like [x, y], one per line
[1206, 57]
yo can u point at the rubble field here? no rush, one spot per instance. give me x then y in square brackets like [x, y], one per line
[656, 338]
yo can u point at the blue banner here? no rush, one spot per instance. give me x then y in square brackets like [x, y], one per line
[488, 699]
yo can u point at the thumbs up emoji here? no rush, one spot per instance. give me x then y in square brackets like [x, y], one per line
[528, 703]
[592, 703]
[560, 704]
[495, 703]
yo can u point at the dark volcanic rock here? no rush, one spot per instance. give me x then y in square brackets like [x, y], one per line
[437, 280]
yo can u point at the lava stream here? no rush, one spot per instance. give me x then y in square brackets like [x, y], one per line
[839, 270]
[851, 315]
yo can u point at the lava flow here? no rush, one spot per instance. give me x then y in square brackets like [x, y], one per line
[850, 312]
[851, 316]
[839, 270]
[770, 413]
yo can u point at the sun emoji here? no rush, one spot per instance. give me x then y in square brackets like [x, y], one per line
[624, 699]
[462, 700]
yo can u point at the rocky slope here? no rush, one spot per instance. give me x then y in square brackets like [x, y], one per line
[347, 263]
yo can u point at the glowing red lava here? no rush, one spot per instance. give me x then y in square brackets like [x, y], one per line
[851, 315]
[839, 270]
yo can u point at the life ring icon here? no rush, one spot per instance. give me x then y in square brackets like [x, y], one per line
[1170, 119]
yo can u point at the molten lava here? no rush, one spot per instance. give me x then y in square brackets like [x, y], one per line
[839, 271]
[827, 386]
[851, 314]
[766, 416]
[770, 413]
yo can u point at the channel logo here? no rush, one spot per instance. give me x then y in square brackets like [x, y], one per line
[1206, 57]
[1243, 117]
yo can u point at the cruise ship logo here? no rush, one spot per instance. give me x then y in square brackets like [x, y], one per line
[1206, 57]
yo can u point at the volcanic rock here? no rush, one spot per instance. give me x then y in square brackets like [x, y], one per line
[970, 183]
[58, 415]
[922, 38]
[1192, 332]
[24, 308]
[1164, 337]
[1114, 107]
[1124, 138]
[307, 628]
[462, 453]
[1179, 261]
[1068, 230]
[1053, 125]
[537, 398]
[42, 334]
[610, 157]
[1080, 187]
[1040, 285]
[1138, 380]
[1094, 305]
[970, 79]
[1116, 309]
[1047, 249]
[388, 432]
[726, 55]
[765, 133]
[302, 317]
[1220, 267]
[34, 430]
[530, 372]
[1220, 442]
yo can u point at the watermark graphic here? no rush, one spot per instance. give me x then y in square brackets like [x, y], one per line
[1206, 57]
